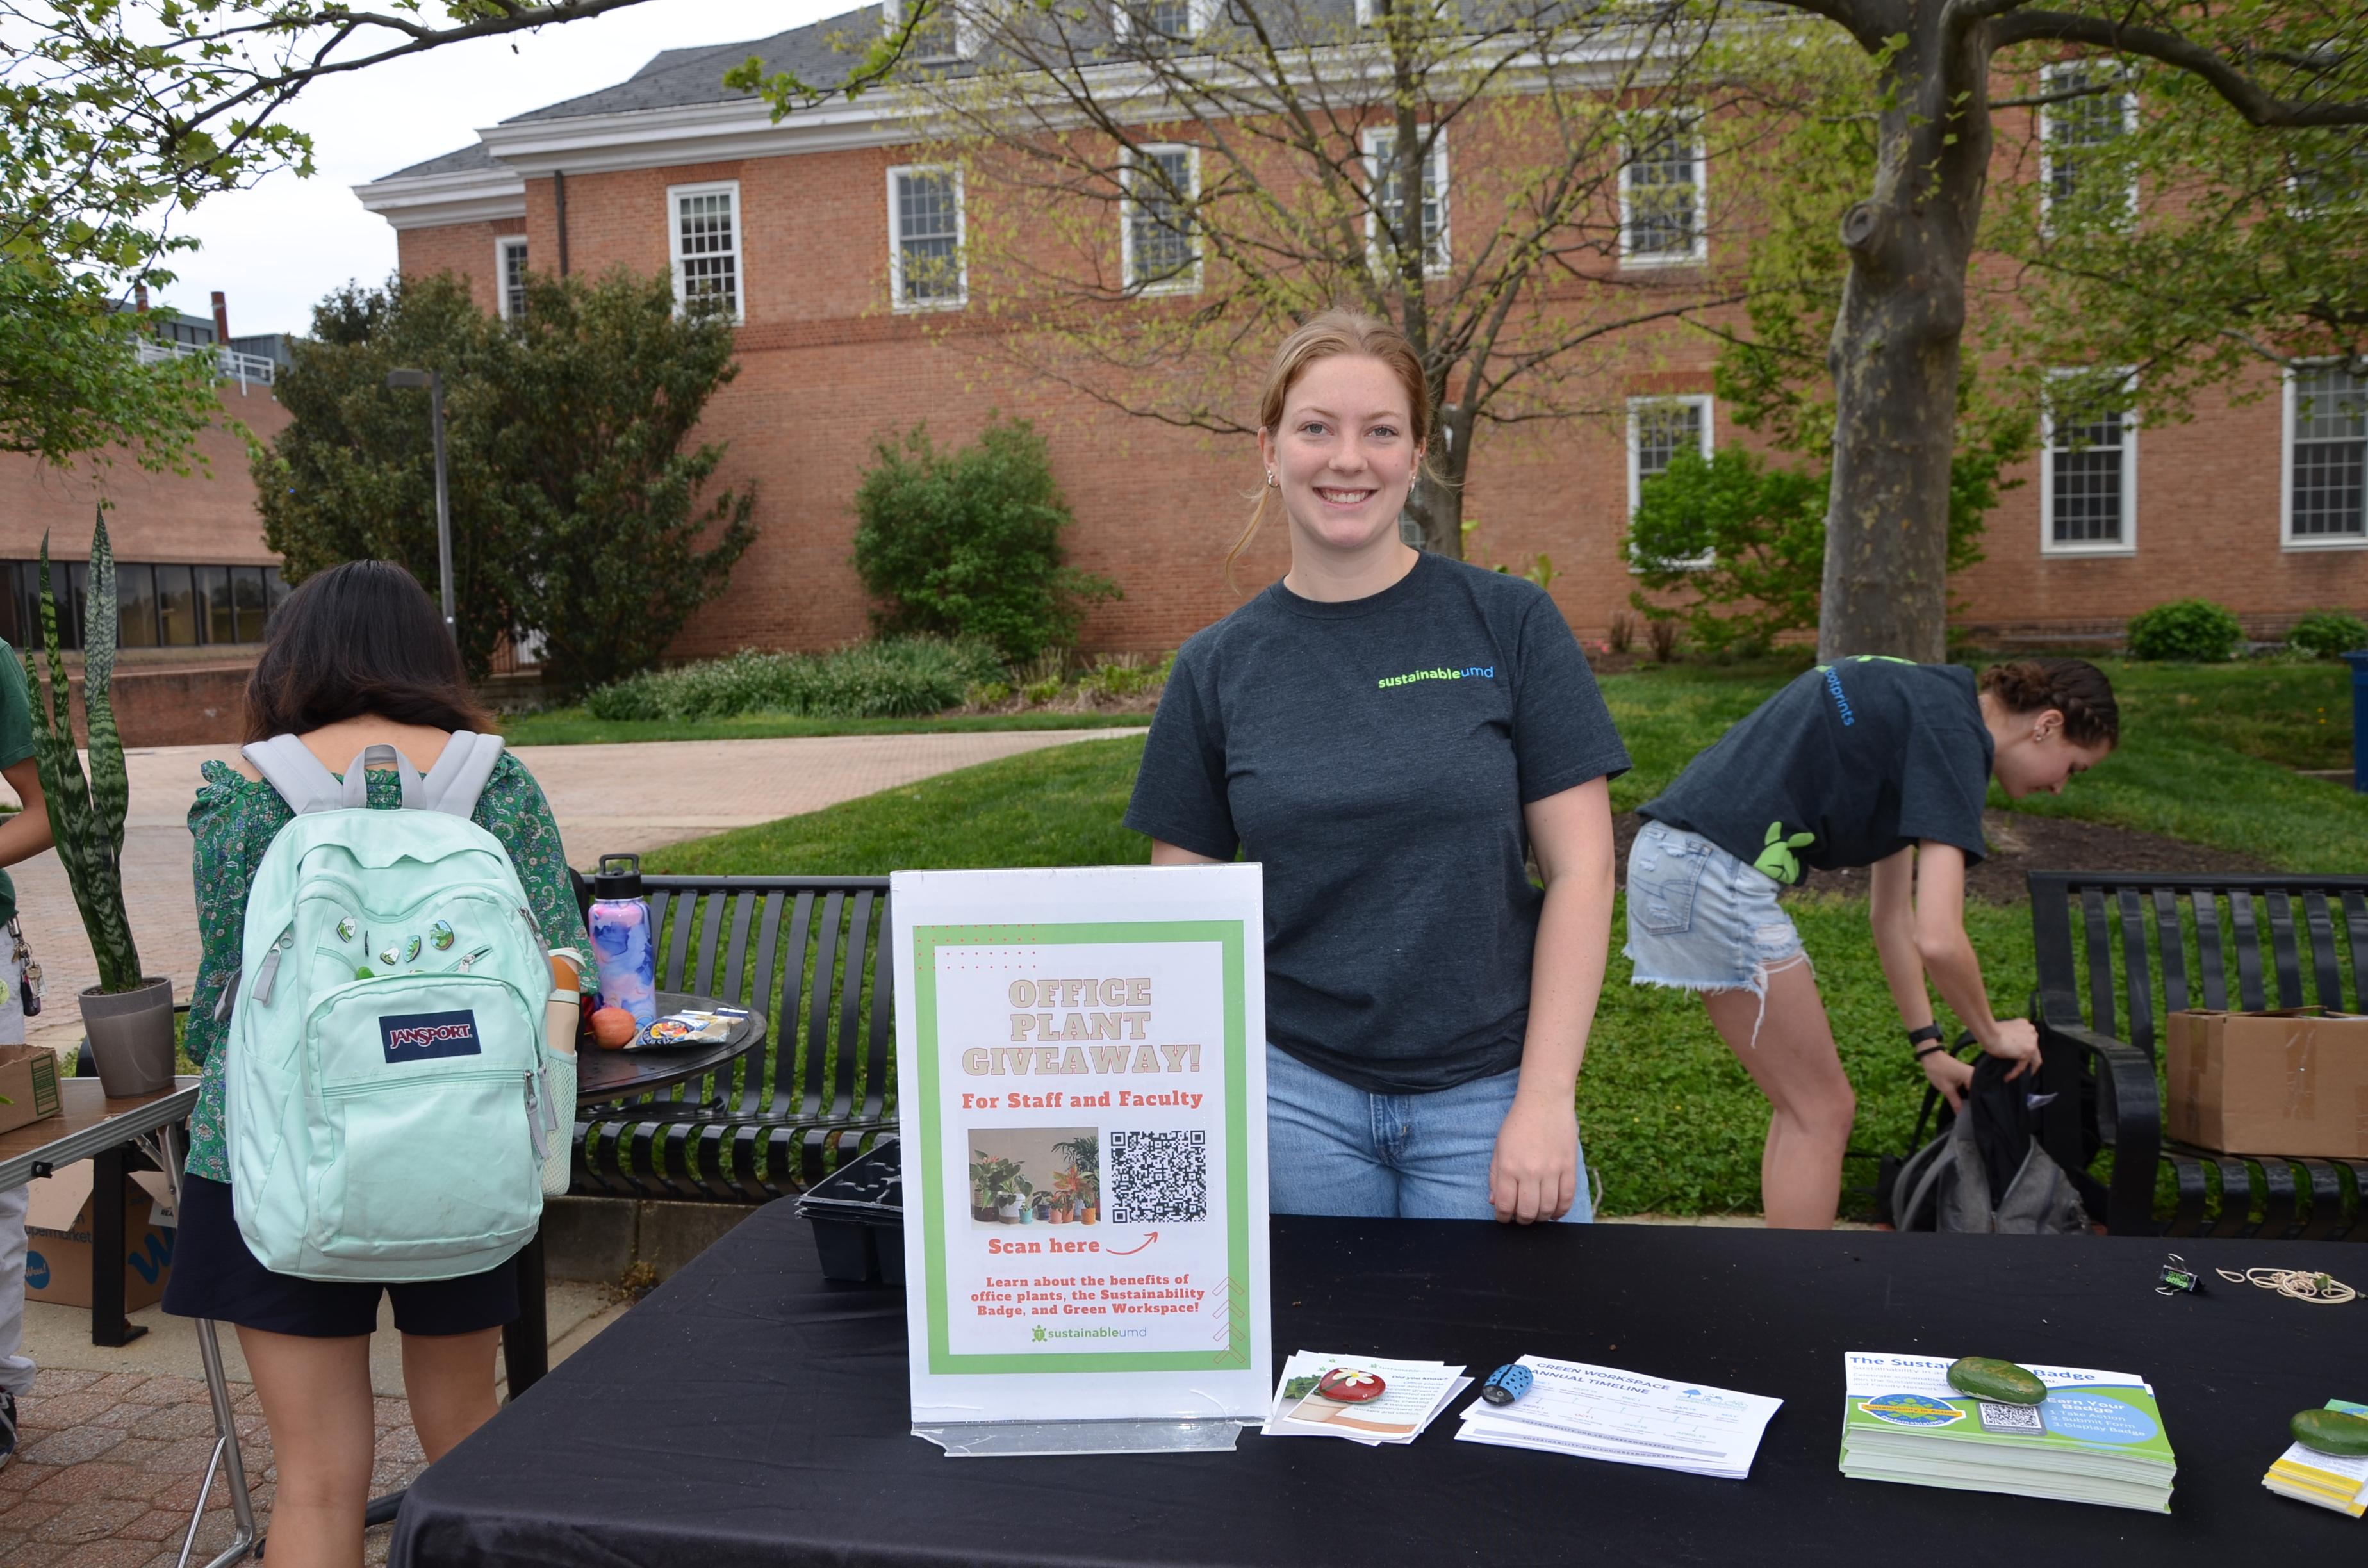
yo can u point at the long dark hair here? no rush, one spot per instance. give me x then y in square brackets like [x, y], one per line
[363, 638]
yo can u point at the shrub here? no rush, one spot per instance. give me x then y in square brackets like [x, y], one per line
[2190, 631]
[1622, 635]
[2327, 633]
[893, 679]
[967, 543]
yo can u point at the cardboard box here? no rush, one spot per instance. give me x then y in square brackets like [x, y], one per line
[28, 1076]
[58, 1215]
[2279, 1083]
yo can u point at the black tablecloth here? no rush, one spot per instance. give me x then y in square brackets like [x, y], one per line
[749, 1412]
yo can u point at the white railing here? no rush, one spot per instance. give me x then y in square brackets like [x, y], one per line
[234, 366]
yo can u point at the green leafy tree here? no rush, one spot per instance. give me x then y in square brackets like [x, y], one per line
[592, 447]
[1741, 543]
[2264, 81]
[353, 475]
[116, 116]
[578, 510]
[967, 543]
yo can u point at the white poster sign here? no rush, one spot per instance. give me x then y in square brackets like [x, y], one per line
[1081, 1086]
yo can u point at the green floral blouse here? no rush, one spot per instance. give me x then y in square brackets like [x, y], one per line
[235, 818]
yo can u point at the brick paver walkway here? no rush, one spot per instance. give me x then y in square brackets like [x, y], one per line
[608, 800]
[107, 1468]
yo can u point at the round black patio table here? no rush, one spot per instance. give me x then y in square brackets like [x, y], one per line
[605, 1075]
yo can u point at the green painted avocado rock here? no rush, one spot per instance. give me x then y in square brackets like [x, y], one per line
[2002, 1382]
[2332, 1431]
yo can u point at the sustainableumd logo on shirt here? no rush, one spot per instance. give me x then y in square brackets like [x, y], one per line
[1469, 672]
[1912, 1410]
[424, 1037]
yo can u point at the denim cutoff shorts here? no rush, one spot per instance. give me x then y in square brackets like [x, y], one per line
[1699, 919]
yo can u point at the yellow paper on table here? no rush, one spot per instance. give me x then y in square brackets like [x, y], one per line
[2331, 1481]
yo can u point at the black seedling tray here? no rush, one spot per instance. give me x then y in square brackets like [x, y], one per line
[858, 1212]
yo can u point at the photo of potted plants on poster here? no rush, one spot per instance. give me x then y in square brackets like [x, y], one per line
[1035, 1175]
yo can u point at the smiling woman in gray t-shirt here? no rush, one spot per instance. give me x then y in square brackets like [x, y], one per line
[1393, 735]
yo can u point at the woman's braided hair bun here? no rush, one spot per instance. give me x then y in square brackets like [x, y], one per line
[2074, 688]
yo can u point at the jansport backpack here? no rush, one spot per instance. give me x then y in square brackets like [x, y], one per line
[387, 1111]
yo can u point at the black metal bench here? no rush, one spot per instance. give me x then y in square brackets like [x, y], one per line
[2147, 945]
[810, 951]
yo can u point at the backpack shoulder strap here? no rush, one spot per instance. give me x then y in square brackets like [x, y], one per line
[288, 767]
[459, 777]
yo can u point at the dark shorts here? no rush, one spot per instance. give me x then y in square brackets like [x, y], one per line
[214, 1276]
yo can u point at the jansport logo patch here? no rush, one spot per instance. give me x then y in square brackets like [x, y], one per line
[424, 1037]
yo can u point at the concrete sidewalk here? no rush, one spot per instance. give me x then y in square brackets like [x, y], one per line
[608, 800]
[114, 1443]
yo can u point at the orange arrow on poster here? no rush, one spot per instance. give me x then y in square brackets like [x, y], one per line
[1113, 1252]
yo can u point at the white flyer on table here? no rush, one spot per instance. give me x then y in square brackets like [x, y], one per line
[1628, 1418]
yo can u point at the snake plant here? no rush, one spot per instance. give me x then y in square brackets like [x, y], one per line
[86, 815]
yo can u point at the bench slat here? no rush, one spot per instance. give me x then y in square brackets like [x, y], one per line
[2172, 945]
[2137, 974]
[2213, 959]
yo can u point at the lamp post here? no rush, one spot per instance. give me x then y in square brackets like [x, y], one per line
[434, 385]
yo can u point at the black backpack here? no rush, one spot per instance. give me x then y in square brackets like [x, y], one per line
[1985, 1172]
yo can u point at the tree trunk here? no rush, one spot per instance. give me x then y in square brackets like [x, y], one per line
[1896, 347]
[1436, 503]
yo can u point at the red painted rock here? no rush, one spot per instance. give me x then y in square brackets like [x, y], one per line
[1350, 1387]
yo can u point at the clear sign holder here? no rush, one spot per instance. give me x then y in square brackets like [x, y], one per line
[1011, 1439]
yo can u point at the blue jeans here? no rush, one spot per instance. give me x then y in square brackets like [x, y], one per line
[1332, 1149]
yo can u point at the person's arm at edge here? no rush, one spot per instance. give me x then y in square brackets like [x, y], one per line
[1166, 853]
[28, 833]
[1949, 958]
[1534, 1175]
[1891, 911]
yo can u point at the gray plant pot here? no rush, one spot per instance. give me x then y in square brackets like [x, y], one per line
[132, 1037]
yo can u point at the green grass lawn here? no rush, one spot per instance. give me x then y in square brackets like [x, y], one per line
[2208, 753]
[573, 726]
[1671, 1121]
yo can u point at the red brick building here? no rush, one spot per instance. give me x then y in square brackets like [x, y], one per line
[830, 243]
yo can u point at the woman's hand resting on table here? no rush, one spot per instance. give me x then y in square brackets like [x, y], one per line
[1534, 1175]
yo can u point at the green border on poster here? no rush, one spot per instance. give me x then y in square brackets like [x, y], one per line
[1227, 935]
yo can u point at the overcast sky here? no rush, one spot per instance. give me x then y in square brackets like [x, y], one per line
[276, 249]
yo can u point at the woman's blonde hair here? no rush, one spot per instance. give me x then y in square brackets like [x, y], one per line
[1335, 331]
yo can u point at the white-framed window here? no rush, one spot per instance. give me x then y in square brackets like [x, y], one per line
[704, 239]
[1161, 249]
[925, 267]
[2325, 478]
[1661, 191]
[2076, 135]
[1152, 21]
[947, 33]
[1369, 11]
[2327, 174]
[509, 275]
[1389, 198]
[1658, 429]
[2088, 473]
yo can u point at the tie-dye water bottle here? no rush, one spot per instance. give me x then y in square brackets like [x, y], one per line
[623, 953]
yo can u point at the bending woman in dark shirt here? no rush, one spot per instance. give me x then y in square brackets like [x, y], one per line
[1870, 762]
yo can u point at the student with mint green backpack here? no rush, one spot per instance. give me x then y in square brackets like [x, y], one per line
[377, 892]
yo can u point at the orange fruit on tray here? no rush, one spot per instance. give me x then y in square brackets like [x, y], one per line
[614, 1027]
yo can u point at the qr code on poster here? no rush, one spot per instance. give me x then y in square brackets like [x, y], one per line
[1158, 1178]
[1999, 1417]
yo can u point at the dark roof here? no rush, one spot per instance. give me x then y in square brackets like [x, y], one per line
[473, 157]
[676, 78]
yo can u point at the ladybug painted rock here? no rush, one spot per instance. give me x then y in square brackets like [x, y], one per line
[1350, 1387]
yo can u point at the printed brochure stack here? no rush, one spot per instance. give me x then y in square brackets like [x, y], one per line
[2097, 1437]
[2331, 1481]
[1602, 1412]
[1413, 1393]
